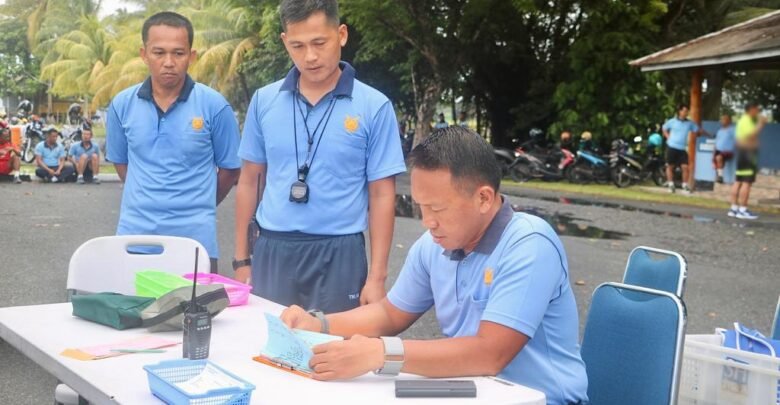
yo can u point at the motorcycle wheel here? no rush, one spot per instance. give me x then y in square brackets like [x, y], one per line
[621, 177]
[520, 172]
[659, 176]
[578, 173]
[28, 150]
[502, 163]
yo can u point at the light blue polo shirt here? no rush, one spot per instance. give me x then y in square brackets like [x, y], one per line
[172, 159]
[530, 293]
[678, 132]
[78, 149]
[724, 139]
[360, 144]
[50, 156]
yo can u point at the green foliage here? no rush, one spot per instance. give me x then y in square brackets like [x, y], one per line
[18, 67]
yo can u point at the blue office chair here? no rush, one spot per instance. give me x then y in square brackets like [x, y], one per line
[632, 346]
[656, 269]
[776, 323]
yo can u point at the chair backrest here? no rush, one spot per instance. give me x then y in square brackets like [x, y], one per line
[656, 269]
[776, 323]
[104, 264]
[632, 345]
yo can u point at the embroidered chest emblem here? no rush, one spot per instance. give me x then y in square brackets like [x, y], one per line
[351, 124]
[197, 123]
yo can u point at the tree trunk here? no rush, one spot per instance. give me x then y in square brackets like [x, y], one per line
[426, 109]
[711, 104]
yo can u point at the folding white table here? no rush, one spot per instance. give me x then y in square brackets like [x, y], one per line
[42, 332]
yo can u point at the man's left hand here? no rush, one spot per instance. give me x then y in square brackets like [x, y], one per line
[346, 359]
[373, 291]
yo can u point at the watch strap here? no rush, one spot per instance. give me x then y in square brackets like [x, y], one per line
[241, 263]
[324, 325]
[394, 356]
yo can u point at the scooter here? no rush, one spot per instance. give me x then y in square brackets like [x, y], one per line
[588, 167]
[504, 158]
[627, 169]
[533, 163]
[33, 134]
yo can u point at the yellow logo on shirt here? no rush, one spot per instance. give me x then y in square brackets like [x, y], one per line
[351, 124]
[197, 123]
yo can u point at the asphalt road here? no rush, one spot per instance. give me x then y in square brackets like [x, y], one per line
[732, 276]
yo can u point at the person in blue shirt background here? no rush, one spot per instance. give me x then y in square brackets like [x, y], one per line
[50, 158]
[85, 156]
[677, 131]
[498, 280]
[441, 123]
[319, 149]
[173, 142]
[724, 145]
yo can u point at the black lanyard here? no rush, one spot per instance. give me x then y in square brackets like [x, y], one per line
[303, 171]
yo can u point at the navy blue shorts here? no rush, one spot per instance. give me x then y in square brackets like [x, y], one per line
[313, 271]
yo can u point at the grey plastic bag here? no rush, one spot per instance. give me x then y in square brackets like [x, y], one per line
[166, 314]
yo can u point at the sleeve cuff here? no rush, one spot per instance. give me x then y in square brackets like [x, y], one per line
[374, 176]
[510, 322]
[252, 158]
[405, 306]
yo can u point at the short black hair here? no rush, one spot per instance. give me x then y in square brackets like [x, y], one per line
[294, 11]
[681, 106]
[467, 156]
[751, 105]
[170, 19]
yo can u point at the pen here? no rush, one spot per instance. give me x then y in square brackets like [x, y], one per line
[138, 350]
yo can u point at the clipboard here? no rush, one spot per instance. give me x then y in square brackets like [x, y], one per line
[282, 365]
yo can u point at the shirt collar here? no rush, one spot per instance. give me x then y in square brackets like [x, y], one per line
[343, 87]
[145, 92]
[492, 235]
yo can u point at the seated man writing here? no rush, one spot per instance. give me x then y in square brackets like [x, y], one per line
[498, 280]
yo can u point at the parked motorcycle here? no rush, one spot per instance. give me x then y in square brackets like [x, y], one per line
[533, 162]
[627, 169]
[504, 157]
[32, 135]
[588, 167]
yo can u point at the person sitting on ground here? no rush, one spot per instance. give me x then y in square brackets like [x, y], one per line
[748, 129]
[10, 160]
[85, 156]
[499, 282]
[50, 158]
[724, 145]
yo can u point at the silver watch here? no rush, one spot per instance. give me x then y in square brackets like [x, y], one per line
[324, 326]
[394, 356]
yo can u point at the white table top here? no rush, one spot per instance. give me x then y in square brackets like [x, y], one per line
[42, 332]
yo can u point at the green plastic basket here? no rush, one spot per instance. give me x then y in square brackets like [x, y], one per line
[155, 283]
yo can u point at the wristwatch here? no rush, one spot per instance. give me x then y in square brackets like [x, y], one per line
[394, 356]
[241, 263]
[324, 326]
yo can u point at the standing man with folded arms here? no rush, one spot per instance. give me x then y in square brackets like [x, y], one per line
[173, 141]
[321, 150]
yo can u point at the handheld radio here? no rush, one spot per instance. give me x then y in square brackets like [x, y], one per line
[196, 325]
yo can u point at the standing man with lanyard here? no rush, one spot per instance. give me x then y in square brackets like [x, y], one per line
[173, 142]
[677, 130]
[321, 149]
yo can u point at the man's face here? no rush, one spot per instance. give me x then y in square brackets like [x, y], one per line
[683, 113]
[86, 136]
[51, 137]
[5, 136]
[167, 53]
[314, 45]
[453, 217]
[754, 111]
[725, 121]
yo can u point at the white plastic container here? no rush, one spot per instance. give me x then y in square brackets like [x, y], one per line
[712, 374]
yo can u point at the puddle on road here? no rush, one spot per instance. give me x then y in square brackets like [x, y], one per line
[563, 224]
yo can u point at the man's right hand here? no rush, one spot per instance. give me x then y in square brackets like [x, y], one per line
[243, 273]
[296, 317]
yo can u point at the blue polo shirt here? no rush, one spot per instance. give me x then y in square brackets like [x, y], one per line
[50, 155]
[678, 132]
[78, 149]
[724, 139]
[530, 293]
[360, 144]
[172, 159]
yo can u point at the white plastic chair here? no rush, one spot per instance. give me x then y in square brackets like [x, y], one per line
[104, 265]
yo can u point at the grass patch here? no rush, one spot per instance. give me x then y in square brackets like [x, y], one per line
[632, 194]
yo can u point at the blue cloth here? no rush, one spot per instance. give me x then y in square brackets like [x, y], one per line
[172, 157]
[77, 150]
[724, 139]
[530, 293]
[678, 132]
[50, 155]
[360, 144]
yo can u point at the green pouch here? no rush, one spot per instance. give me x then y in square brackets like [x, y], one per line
[111, 309]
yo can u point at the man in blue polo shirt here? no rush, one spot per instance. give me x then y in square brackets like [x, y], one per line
[319, 148]
[173, 142]
[498, 280]
[677, 131]
[50, 158]
[85, 156]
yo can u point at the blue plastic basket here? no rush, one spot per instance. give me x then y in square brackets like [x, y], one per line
[164, 375]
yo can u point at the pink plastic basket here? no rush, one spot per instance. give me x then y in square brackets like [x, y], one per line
[238, 293]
